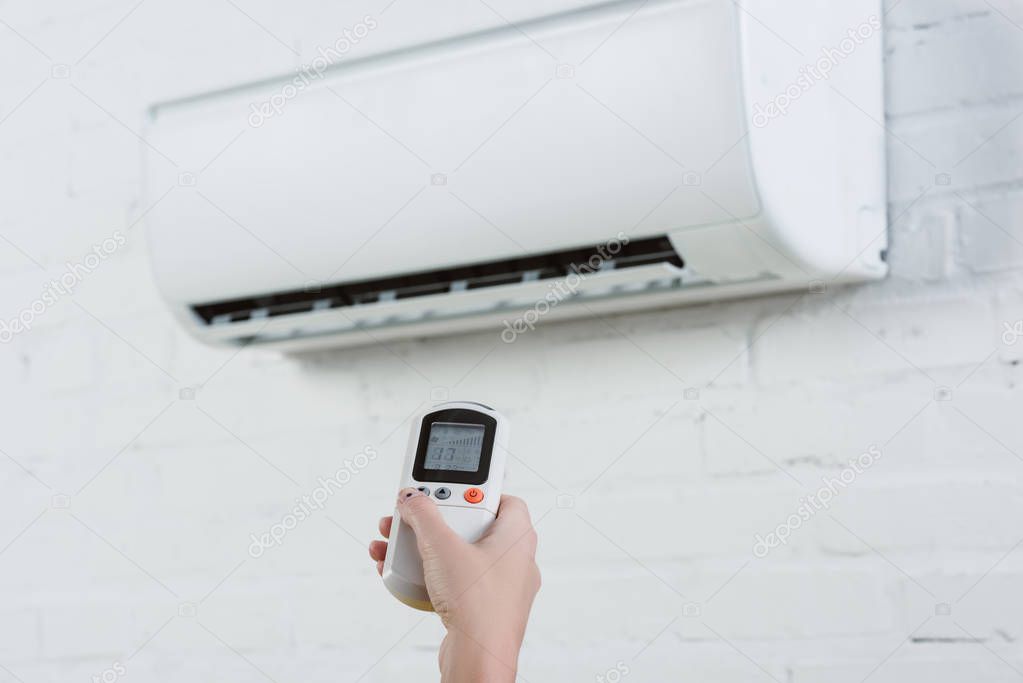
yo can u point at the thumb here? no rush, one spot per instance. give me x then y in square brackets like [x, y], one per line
[421, 513]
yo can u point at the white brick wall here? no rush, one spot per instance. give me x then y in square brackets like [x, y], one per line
[653, 565]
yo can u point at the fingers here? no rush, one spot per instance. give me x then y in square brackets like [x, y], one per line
[421, 513]
[378, 550]
[512, 517]
[513, 526]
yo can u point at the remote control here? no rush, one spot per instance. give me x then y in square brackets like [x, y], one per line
[456, 455]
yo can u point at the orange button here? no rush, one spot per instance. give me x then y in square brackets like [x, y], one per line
[474, 495]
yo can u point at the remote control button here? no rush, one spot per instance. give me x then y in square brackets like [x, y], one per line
[424, 490]
[473, 495]
[442, 493]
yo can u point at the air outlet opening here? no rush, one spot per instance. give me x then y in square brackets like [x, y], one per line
[543, 266]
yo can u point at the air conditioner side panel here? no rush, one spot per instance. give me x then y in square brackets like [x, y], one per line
[818, 153]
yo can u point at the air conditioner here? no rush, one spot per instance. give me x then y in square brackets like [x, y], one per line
[457, 165]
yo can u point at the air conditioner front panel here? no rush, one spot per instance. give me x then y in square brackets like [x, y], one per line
[468, 151]
[450, 172]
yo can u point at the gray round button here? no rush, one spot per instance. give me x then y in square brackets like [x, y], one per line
[424, 490]
[443, 493]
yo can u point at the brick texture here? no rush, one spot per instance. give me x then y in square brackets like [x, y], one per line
[135, 463]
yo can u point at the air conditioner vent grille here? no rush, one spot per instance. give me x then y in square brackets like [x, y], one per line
[443, 281]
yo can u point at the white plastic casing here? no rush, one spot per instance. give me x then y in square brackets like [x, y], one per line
[446, 139]
[403, 567]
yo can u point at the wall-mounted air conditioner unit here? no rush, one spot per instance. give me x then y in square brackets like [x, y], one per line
[453, 169]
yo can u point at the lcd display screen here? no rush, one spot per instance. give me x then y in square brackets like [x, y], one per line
[454, 446]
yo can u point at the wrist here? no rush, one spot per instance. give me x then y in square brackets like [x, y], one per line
[479, 657]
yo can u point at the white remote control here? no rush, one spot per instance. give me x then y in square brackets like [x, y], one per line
[456, 455]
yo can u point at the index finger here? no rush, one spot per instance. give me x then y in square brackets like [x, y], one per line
[512, 518]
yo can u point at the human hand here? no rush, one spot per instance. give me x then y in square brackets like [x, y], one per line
[482, 591]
